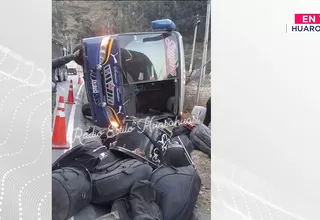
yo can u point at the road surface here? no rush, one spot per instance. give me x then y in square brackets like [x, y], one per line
[73, 114]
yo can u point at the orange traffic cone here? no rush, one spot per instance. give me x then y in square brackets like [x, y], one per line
[79, 79]
[70, 94]
[59, 137]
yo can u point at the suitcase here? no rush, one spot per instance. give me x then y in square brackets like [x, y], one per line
[200, 137]
[114, 180]
[71, 192]
[88, 155]
[177, 191]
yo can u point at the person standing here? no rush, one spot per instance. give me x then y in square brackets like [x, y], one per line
[207, 119]
[54, 93]
[58, 62]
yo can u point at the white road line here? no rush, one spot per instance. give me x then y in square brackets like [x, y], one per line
[71, 119]
[61, 88]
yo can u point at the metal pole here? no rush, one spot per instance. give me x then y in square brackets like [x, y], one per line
[207, 62]
[71, 44]
[66, 45]
[204, 59]
[205, 49]
[194, 42]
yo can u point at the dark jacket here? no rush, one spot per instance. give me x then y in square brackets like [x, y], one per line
[207, 119]
[56, 63]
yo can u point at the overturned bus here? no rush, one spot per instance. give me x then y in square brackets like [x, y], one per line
[135, 74]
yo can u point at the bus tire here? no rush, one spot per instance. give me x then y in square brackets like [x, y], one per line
[86, 111]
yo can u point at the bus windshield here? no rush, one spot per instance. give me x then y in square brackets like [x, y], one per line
[149, 57]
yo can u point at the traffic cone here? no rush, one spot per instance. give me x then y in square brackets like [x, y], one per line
[79, 79]
[70, 94]
[59, 137]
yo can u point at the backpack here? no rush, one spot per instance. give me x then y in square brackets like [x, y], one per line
[71, 192]
[177, 191]
[200, 137]
[88, 155]
[114, 180]
[176, 155]
[143, 201]
[140, 204]
[185, 141]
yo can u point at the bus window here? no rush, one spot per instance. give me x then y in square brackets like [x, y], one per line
[149, 57]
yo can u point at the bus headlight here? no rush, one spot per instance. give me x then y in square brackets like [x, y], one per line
[114, 124]
[114, 120]
[103, 50]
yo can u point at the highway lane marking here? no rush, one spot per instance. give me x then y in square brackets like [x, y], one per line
[71, 119]
[58, 94]
[63, 90]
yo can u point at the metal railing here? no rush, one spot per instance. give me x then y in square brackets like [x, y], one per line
[201, 79]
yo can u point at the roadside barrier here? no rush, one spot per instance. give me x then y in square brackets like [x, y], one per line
[70, 94]
[59, 136]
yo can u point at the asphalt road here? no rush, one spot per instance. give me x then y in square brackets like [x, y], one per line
[74, 118]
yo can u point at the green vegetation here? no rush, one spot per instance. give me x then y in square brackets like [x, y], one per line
[76, 20]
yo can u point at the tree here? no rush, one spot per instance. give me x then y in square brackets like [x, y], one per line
[85, 28]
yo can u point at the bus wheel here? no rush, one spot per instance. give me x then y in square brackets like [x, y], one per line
[86, 110]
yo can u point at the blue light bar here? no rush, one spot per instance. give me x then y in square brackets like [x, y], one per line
[164, 24]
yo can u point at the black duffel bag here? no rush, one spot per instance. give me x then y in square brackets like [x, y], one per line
[177, 191]
[71, 192]
[89, 155]
[143, 141]
[200, 137]
[140, 204]
[181, 130]
[114, 180]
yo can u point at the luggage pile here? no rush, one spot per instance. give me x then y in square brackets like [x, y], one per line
[142, 175]
[194, 137]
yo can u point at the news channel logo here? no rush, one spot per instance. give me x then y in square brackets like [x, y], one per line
[303, 23]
